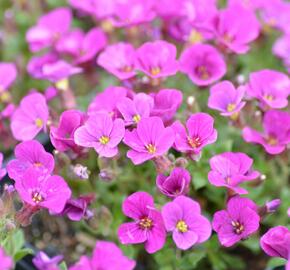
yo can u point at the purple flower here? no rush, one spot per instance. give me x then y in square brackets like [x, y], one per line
[43, 191]
[147, 227]
[30, 154]
[230, 170]
[226, 99]
[62, 137]
[42, 262]
[174, 185]
[106, 255]
[50, 27]
[102, 133]
[276, 133]
[281, 49]
[2, 170]
[236, 32]
[166, 104]
[200, 132]
[183, 218]
[203, 64]
[272, 206]
[135, 110]
[8, 75]
[157, 59]
[270, 87]
[30, 117]
[119, 59]
[149, 140]
[6, 262]
[237, 222]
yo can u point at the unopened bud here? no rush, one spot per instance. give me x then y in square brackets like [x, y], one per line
[273, 205]
[107, 175]
[81, 171]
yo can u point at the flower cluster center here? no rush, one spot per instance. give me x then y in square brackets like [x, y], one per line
[272, 140]
[238, 227]
[146, 223]
[37, 197]
[203, 72]
[104, 140]
[38, 122]
[155, 71]
[136, 118]
[181, 226]
[151, 148]
[231, 107]
[194, 142]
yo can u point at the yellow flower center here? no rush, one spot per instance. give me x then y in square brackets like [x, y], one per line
[62, 84]
[238, 227]
[4, 96]
[231, 107]
[194, 142]
[268, 97]
[126, 69]
[195, 37]
[181, 226]
[203, 72]
[145, 223]
[272, 140]
[37, 198]
[37, 164]
[38, 122]
[155, 71]
[136, 118]
[104, 139]
[151, 148]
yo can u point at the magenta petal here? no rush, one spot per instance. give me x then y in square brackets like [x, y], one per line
[130, 233]
[171, 213]
[200, 226]
[185, 240]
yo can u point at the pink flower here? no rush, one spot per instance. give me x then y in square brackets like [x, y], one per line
[106, 255]
[230, 170]
[270, 87]
[275, 137]
[157, 59]
[236, 32]
[226, 99]
[281, 49]
[62, 137]
[86, 6]
[200, 132]
[238, 222]
[166, 104]
[149, 140]
[119, 59]
[135, 110]
[50, 27]
[183, 218]
[102, 133]
[2, 170]
[203, 64]
[30, 154]
[174, 185]
[147, 227]
[30, 117]
[6, 262]
[42, 262]
[43, 191]
[8, 75]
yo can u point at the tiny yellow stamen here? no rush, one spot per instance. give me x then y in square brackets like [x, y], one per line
[146, 223]
[203, 72]
[151, 148]
[62, 84]
[38, 122]
[104, 139]
[37, 164]
[238, 227]
[272, 140]
[155, 71]
[195, 37]
[36, 197]
[194, 142]
[127, 69]
[181, 226]
[107, 26]
[4, 96]
[268, 97]
[136, 118]
[231, 107]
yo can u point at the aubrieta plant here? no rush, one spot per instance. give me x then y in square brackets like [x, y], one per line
[144, 134]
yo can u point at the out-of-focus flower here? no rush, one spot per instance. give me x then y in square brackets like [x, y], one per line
[273, 205]
[157, 59]
[50, 93]
[30, 154]
[270, 87]
[226, 99]
[275, 137]
[62, 137]
[174, 185]
[198, 133]
[149, 140]
[8, 75]
[281, 49]
[203, 64]
[43, 191]
[30, 117]
[2, 170]
[236, 32]
[166, 104]
[49, 29]
[102, 133]
[106, 255]
[183, 218]
[81, 171]
[230, 170]
[147, 227]
[119, 59]
[135, 110]
[6, 262]
[86, 6]
[8, 111]
[42, 262]
[237, 222]
[249, 4]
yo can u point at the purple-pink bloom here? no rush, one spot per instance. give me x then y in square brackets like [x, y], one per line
[237, 222]
[30, 117]
[6, 262]
[198, 133]
[133, 110]
[30, 154]
[43, 191]
[270, 87]
[2, 170]
[147, 227]
[174, 185]
[230, 170]
[281, 49]
[157, 59]
[62, 137]
[273, 205]
[276, 134]
[183, 218]
[203, 64]
[225, 98]
[102, 133]
[119, 59]
[149, 140]
[42, 262]
[8, 75]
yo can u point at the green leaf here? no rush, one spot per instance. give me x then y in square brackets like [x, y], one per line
[63, 266]
[14, 243]
[22, 253]
[274, 262]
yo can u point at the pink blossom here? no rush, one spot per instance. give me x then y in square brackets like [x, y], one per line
[30, 117]
[2, 170]
[183, 218]
[147, 227]
[8, 75]
[281, 49]
[86, 6]
[102, 133]
[203, 64]
[42, 262]
[6, 262]
[149, 140]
